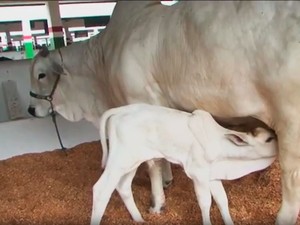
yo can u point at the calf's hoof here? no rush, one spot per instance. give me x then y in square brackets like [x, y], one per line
[167, 183]
[140, 220]
[156, 210]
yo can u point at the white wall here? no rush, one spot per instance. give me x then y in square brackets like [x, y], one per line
[17, 71]
[39, 135]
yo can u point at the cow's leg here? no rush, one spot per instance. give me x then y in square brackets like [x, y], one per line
[125, 191]
[220, 197]
[289, 158]
[102, 192]
[167, 175]
[157, 195]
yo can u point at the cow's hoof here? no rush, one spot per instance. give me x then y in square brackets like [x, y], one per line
[167, 183]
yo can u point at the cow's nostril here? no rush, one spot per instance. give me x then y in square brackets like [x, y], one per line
[31, 110]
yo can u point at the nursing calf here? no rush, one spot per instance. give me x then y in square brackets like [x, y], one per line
[208, 153]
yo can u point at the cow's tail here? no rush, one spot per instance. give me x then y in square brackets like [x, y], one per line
[103, 121]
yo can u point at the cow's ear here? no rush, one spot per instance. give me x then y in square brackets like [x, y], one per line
[239, 139]
[44, 52]
[58, 69]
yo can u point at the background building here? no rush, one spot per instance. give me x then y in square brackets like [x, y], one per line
[26, 26]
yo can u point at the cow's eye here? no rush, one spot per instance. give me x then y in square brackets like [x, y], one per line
[41, 76]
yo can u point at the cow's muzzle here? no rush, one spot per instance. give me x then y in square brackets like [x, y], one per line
[31, 111]
[49, 98]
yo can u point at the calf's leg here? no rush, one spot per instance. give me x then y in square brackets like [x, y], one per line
[201, 182]
[102, 192]
[125, 191]
[167, 175]
[158, 195]
[220, 197]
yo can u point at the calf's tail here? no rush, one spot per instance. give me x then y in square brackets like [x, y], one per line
[103, 121]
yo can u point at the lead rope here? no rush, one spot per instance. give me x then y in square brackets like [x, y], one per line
[53, 114]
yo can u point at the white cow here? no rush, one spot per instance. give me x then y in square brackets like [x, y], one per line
[207, 152]
[230, 58]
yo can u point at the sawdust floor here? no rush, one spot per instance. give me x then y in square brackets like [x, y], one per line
[53, 188]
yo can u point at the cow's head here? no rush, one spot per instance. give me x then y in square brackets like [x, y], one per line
[46, 71]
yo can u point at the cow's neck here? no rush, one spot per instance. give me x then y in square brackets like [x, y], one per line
[82, 87]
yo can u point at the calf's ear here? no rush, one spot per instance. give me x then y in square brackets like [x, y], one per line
[238, 139]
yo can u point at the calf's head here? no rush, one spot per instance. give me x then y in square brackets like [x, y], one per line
[254, 151]
[263, 142]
